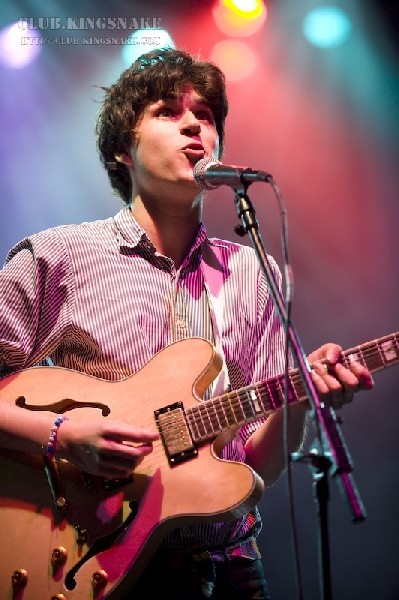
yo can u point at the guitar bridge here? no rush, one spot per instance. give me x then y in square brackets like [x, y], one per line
[175, 434]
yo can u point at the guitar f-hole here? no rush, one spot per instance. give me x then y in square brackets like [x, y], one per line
[99, 545]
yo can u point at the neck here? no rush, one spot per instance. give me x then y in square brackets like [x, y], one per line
[172, 229]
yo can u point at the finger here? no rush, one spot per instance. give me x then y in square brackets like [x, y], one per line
[363, 375]
[324, 380]
[340, 382]
[330, 389]
[121, 432]
[126, 450]
[347, 377]
[121, 460]
[341, 397]
[330, 352]
[356, 378]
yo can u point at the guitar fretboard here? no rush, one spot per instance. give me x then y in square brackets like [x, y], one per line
[209, 418]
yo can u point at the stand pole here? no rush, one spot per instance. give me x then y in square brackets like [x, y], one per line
[330, 439]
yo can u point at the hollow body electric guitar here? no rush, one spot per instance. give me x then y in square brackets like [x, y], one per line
[69, 535]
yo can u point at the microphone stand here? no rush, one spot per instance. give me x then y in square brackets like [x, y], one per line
[330, 453]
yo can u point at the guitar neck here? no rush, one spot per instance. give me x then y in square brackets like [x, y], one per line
[208, 419]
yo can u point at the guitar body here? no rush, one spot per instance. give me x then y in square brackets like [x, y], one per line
[42, 545]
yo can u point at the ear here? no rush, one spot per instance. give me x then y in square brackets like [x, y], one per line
[126, 159]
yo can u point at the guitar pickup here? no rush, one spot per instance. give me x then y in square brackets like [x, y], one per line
[175, 434]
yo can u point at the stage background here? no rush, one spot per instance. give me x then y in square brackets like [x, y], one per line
[325, 124]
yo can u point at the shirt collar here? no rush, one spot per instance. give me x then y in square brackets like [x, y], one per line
[131, 234]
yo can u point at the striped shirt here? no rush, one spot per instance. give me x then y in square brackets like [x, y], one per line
[97, 297]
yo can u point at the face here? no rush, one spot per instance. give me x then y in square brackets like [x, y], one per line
[170, 138]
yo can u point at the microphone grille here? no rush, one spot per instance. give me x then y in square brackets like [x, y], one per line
[200, 170]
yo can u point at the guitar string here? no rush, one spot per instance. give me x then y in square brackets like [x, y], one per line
[273, 385]
[213, 412]
[237, 400]
[217, 412]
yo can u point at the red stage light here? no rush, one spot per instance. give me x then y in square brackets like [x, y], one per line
[235, 58]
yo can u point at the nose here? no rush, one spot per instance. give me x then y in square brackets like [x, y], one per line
[190, 125]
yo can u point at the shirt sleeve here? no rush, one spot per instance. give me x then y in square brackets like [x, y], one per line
[34, 294]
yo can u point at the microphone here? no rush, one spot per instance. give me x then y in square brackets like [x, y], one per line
[210, 173]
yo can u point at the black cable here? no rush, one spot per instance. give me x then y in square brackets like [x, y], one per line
[289, 294]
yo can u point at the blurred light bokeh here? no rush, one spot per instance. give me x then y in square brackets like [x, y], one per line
[324, 120]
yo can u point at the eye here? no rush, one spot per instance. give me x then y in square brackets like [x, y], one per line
[164, 111]
[204, 115]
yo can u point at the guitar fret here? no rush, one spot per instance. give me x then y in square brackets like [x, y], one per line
[276, 390]
[256, 401]
[271, 396]
[237, 408]
[234, 408]
[204, 425]
[207, 418]
[195, 421]
[251, 406]
[211, 417]
[299, 386]
[221, 415]
[390, 350]
[375, 355]
[229, 411]
[369, 356]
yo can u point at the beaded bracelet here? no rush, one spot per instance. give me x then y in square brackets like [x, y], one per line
[52, 440]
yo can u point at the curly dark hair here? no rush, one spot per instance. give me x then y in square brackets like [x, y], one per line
[156, 75]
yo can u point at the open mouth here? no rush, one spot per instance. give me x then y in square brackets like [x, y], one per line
[194, 152]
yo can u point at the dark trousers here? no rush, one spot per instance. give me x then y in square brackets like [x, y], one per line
[202, 576]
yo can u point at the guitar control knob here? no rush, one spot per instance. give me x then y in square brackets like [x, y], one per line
[99, 579]
[59, 556]
[19, 579]
[62, 503]
[58, 597]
